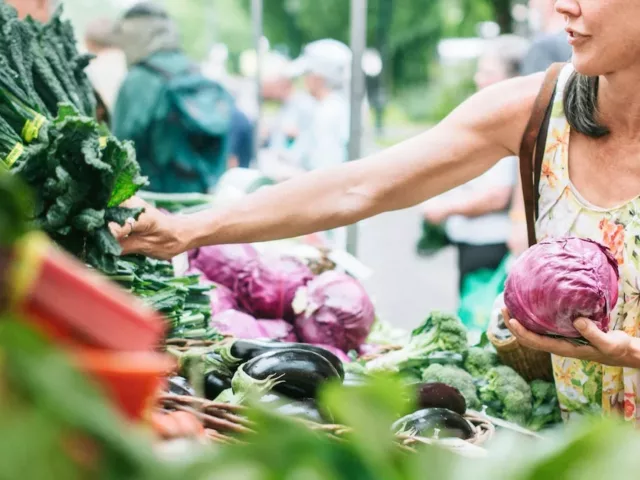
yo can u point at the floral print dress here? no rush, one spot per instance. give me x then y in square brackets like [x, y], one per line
[587, 387]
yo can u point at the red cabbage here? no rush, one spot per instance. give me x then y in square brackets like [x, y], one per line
[557, 281]
[237, 324]
[277, 330]
[266, 286]
[222, 263]
[336, 351]
[334, 309]
[222, 299]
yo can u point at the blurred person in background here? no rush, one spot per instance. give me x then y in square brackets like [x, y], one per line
[550, 45]
[324, 66]
[108, 70]
[39, 9]
[475, 215]
[179, 119]
[296, 104]
[241, 150]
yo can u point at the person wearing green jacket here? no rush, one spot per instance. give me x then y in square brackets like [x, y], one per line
[178, 119]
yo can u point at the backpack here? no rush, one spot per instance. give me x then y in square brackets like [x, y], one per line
[191, 126]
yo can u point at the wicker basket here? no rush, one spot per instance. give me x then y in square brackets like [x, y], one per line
[222, 421]
[530, 364]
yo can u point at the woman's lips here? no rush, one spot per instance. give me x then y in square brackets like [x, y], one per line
[574, 38]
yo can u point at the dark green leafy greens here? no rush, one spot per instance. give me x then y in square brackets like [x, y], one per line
[183, 301]
[49, 137]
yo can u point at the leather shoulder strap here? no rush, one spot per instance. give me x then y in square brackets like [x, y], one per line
[533, 143]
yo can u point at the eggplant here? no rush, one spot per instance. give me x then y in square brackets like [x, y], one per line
[245, 350]
[299, 373]
[424, 423]
[180, 386]
[440, 395]
[305, 409]
[215, 384]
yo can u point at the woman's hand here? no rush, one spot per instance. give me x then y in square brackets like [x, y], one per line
[615, 348]
[154, 234]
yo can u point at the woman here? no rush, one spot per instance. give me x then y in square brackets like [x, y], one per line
[475, 214]
[595, 136]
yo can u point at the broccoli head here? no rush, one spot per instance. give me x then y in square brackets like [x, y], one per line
[456, 378]
[507, 395]
[546, 410]
[479, 361]
[443, 332]
[440, 332]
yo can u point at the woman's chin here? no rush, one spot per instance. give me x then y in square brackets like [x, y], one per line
[587, 66]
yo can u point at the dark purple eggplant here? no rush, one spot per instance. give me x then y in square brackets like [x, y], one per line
[299, 372]
[180, 386]
[245, 350]
[215, 384]
[431, 421]
[440, 395]
[306, 409]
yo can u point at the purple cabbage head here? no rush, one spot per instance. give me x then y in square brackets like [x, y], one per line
[222, 299]
[236, 324]
[557, 281]
[334, 309]
[266, 286]
[336, 351]
[222, 263]
[277, 330]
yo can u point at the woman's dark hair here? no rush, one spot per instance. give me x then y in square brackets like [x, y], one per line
[581, 105]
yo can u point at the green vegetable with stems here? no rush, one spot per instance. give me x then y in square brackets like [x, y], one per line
[479, 361]
[546, 410]
[507, 395]
[440, 332]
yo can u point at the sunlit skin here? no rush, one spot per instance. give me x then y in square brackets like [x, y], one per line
[487, 127]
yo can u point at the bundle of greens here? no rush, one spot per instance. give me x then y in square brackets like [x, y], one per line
[440, 332]
[183, 301]
[48, 136]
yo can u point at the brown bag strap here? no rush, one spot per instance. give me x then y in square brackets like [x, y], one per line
[533, 142]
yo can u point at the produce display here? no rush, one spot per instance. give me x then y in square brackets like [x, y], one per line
[556, 281]
[259, 340]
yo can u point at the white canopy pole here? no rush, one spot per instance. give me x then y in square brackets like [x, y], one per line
[358, 46]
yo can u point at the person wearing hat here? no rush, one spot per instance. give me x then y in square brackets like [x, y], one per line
[325, 67]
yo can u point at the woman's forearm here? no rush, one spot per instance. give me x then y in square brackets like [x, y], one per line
[312, 202]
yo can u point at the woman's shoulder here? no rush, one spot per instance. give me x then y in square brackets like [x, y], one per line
[500, 112]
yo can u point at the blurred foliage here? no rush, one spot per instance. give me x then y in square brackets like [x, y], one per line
[204, 22]
[46, 408]
[449, 86]
[409, 44]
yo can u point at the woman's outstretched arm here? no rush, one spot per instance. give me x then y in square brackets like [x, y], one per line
[484, 129]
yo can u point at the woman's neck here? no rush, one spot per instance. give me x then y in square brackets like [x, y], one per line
[619, 102]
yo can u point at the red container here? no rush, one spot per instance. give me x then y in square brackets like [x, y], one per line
[131, 380]
[77, 306]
